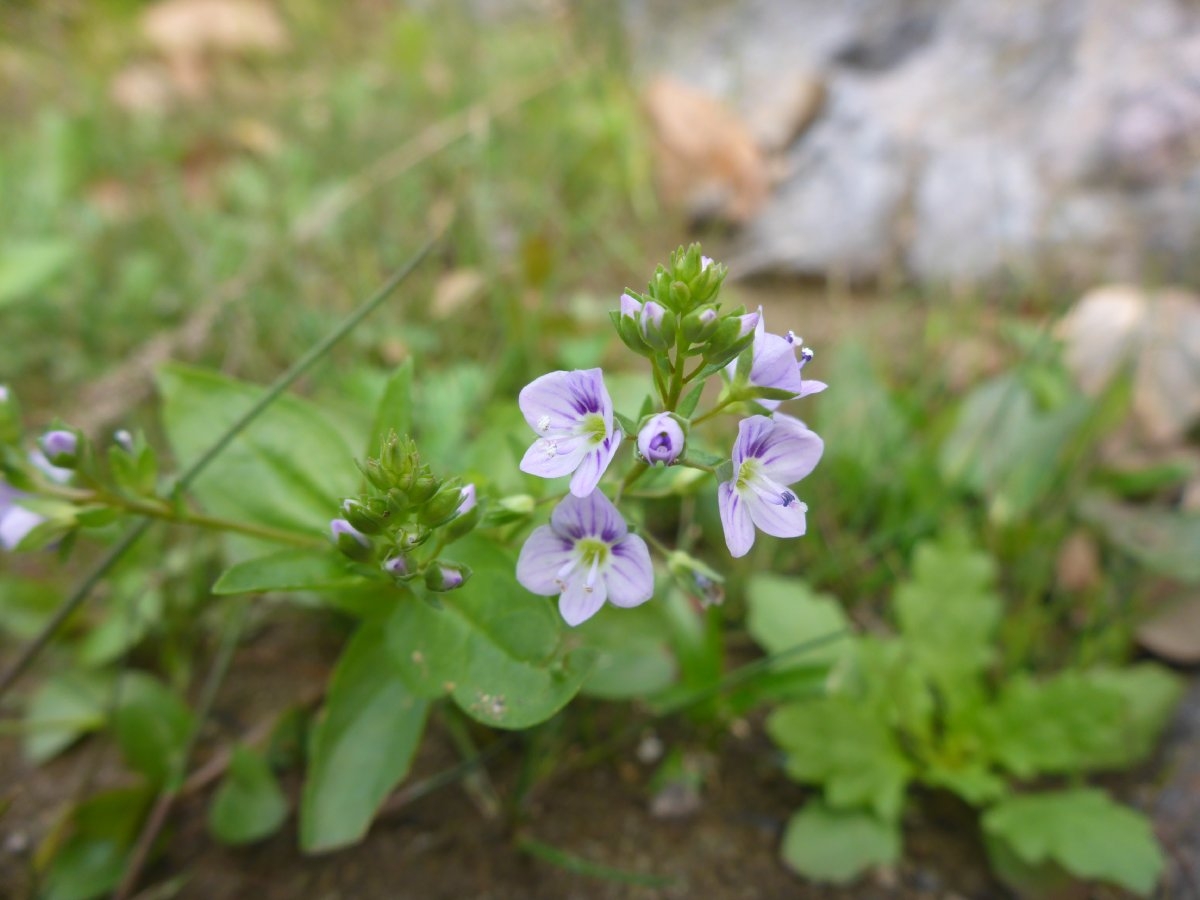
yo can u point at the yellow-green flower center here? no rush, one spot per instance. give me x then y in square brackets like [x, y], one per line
[746, 471]
[592, 427]
[592, 551]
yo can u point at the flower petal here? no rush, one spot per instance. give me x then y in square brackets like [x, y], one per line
[735, 520]
[592, 466]
[812, 386]
[542, 558]
[546, 462]
[751, 439]
[775, 364]
[590, 516]
[630, 575]
[557, 401]
[774, 518]
[790, 451]
[577, 603]
[15, 523]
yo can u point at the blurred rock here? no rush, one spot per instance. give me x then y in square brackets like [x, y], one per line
[706, 161]
[1155, 332]
[959, 141]
[196, 27]
[1174, 634]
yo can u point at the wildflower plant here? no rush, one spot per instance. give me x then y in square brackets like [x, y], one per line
[678, 325]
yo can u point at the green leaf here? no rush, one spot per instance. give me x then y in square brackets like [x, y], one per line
[494, 647]
[289, 469]
[948, 614]
[28, 267]
[632, 657]
[102, 830]
[628, 425]
[287, 570]
[838, 742]
[361, 747]
[866, 426]
[971, 780]
[249, 805]
[1159, 539]
[62, 710]
[838, 845]
[1083, 831]
[1080, 721]
[395, 409]
[152, 726]
[785, 613]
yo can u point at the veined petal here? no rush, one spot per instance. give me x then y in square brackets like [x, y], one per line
[735, 520]
[592, 466]
[774, 364]
[630, 575]
[775, 518]
[579, 603]
[591, 516]
[751, 440]
[558, 401]
[553, 459]
[790, 451]
[542, 558]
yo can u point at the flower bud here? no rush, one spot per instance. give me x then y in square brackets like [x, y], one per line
[61, 448]
[699, 326]
[443, 506]
[424, 486]
[444, 576]
[369, 517]
[466, 500]
[733, 335]
[398, 567]
[660, 439]
[352, 542]
[681, 296]
[628, 322]
[658, 326]
[123, 439]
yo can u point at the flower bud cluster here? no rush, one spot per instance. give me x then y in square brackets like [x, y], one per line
[404, 506]
[679, 309]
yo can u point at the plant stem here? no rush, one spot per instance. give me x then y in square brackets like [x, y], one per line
[634, 474]
[721, 404]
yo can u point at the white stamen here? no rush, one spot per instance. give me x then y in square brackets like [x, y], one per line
[806, 356]
[550, 448]
[792, 339]
[544, 423]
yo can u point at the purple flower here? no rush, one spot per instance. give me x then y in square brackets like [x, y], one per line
[661, 439]
[573, 417]
[350, 540]
[15, 520]
[443, 576]
[396, 566]
[774, 364]
[586, 555]
[768, 455]
[705, 262]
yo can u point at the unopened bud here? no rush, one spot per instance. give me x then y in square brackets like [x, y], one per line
[124, 440]
[444, 576]
[698, 327]
[369, 517]
[443, 506]
[658, 326]
[352, 542]
[398, 567]
[661, 440]
[61, 448]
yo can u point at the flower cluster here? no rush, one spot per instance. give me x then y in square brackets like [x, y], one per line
[586, 554]
[390, 525]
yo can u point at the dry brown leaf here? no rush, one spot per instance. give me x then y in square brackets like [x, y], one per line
[1158, 333]
[1078, 564]
[707, 162]
[190, 28]
[1174, 634]
[454, 290]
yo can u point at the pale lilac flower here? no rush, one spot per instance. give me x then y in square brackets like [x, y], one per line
[573, 417]
[57, 474]
[396, 566]
[442, 576]
[768, 455]
[774, 364]
[705, 262]
[586, 555]
[15, 520]
[661, 439]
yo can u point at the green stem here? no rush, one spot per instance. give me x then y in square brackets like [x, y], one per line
[135, 531]
[721, 404]
[634, 474]
[159, 509]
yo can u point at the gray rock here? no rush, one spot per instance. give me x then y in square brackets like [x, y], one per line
[959, 141]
